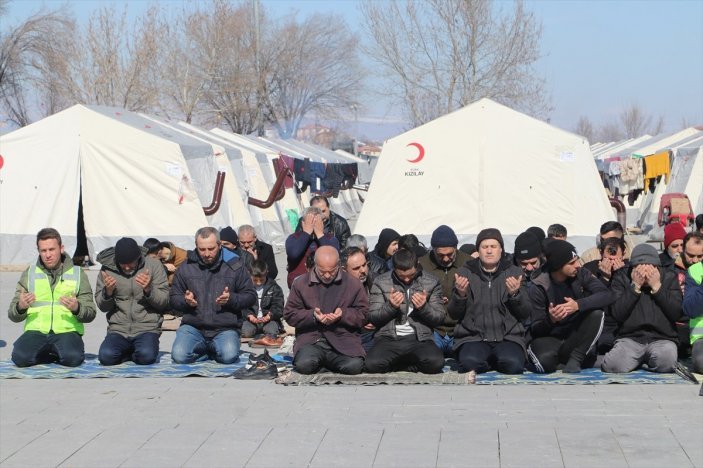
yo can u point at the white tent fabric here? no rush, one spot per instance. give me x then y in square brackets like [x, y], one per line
[135, 181]
[486, 166]
[267, 222]
[290, 206]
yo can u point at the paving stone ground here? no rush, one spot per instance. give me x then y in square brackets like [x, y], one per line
[198, 422]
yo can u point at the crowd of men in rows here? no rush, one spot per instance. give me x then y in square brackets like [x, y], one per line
[399, 306]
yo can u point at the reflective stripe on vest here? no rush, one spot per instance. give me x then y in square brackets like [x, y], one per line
[47, 313]
[696, 323]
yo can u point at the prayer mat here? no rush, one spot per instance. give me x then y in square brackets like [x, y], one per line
[450, 377]
[92, 368]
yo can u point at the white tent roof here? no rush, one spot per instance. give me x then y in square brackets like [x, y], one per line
[486, 166]
[135, 176]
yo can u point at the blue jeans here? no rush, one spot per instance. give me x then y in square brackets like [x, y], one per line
[190, 345]
[142, 349]
[444, 343]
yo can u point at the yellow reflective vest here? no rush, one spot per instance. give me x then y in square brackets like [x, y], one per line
[47, 313]
[696, 323]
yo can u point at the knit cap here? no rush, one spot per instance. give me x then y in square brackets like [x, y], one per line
[527, 246]
[228, 234]
[126, 251]
[559, 253]
[444, 236]
[645, 253]
[672, 232]
[490, 233]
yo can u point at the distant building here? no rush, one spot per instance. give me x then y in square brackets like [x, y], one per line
[369, 150]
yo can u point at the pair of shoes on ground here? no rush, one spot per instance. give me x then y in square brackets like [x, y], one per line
[267, 341]
[261, 367]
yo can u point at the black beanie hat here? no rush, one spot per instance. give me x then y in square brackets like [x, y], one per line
[559, 253]
[385, 238]
[538, 232]
[126, 251]
[444, 236]
[468, 249]
[527, 246]
[228, 234]
[490, 233]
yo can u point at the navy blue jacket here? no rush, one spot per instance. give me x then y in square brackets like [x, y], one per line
[207, 282]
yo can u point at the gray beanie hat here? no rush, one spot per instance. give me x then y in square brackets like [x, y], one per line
[644, 253]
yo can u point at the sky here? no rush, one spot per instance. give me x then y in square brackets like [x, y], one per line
[598, 56]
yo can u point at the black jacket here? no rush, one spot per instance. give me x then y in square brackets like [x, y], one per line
[647, 316]
[339, 228]
[376, 264]
[488, 313]
[271, 301]
[588, 291]
[207, 282]
[264, 252]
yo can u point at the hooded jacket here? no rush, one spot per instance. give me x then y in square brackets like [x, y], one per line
[588, 291]
[207, 282]
[384, 316]
[445, 275]
[177, 258]
[86, 307]
[647, 316]
[130, 311]
[488, 313]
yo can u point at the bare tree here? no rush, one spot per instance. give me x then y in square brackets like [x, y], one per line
[23, 52]
[110, 64]
[316, 69]
[610, 131]
[634, 121]
[584, 127]
[441, 55]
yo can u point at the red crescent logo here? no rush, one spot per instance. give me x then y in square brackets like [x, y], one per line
[2, 161]
[421, 152]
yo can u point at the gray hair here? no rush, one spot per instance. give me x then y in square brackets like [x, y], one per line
[358, 241]
[207, 231]
[244, 228]
[311, 210]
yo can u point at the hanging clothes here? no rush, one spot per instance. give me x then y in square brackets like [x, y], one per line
[333, 178]
[657, 165]
[317, 175]
[631, 175]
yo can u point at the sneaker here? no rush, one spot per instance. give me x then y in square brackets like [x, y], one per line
[265, 357]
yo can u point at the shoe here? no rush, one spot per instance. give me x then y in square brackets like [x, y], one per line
[267, 342]
[682, 371]
[260, 371]
[265, 357]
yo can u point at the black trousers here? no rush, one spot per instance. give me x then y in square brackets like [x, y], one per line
[547, 352]
[404, 353]
[504, 356]
[35, 347]
[311, 358]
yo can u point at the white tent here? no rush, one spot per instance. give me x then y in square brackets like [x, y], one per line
[486, 166]
[260, 168]
[133, 176]
[268, 223]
